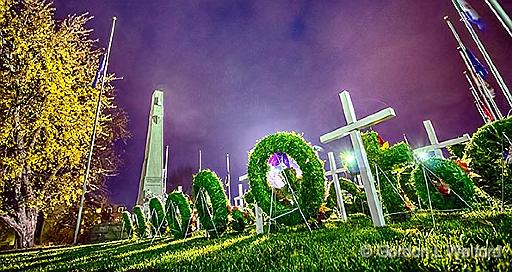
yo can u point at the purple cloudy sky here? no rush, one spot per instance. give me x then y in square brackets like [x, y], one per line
[234, 71]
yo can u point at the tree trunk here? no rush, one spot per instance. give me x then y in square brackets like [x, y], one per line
[28, 229]
[21, 218]
[24, 226]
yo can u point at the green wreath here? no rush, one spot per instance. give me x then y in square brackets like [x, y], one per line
[239, 221]
[309, 191]
[388, 159]
[352, 196]
[140, 222]
[488, 150]
[157, 216]
[127, 225]
[178, 200]
[403, 176]
[452, 177]
[211, 201]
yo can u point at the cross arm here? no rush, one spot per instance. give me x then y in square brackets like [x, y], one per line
[429, 148]
[368, 121]
[243, 177]
[338, 171]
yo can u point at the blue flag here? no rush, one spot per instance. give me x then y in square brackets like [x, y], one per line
[480, 69]
[471, 14]
[99, 72]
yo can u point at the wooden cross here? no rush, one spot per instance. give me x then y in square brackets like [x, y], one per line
[334, 173]
[257, 210]
[239, 200]
[435, 146]
[353, 128]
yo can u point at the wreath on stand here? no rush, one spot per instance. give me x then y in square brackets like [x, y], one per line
[490, 153]
[211, 202]
[353, 196]
[239, 220]
[140, 222]
[449, 186]
[157, 216]
[305, 179]
[178, 214]
[384, 160]
[127, 225]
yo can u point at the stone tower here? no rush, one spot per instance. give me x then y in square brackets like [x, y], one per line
[152, 181]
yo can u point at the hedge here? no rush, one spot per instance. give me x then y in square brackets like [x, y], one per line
[178, 214]
[211, 200]
[309, 190]
[486, 150]
[450, 173]
[140, 222]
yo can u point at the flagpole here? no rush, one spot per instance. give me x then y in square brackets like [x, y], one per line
[488, 101]
[200, 160]
[165, 169]
[228, 181]
[93, 137]
[478, 102]
[494, 70]
[501, 14]
[487, 92]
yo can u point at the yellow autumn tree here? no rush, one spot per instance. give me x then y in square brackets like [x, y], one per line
[47, 107]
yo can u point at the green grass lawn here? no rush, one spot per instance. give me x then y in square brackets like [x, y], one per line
[333, 247]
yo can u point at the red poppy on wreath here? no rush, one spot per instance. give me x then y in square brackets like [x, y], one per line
[464, 165]
[381, 141]
[193, 220]
[408, 205]
[443, 187]
[322, 213]
[383, 144]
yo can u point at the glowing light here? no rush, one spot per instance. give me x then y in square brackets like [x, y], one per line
[348, 158]
[422, 156]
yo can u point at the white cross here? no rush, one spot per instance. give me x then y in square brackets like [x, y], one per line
[259, 219]
[257, 210]
[435, 146]
[243, 177]
[336, 182]
[239, 201]
[353, 129]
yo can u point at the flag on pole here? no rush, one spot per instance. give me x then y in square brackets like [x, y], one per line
[101, 67]
[471, 14]
[489, 89]
[487, 113]
[479, 67]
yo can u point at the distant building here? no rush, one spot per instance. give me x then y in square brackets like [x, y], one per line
[110, 213]
[109, 224]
